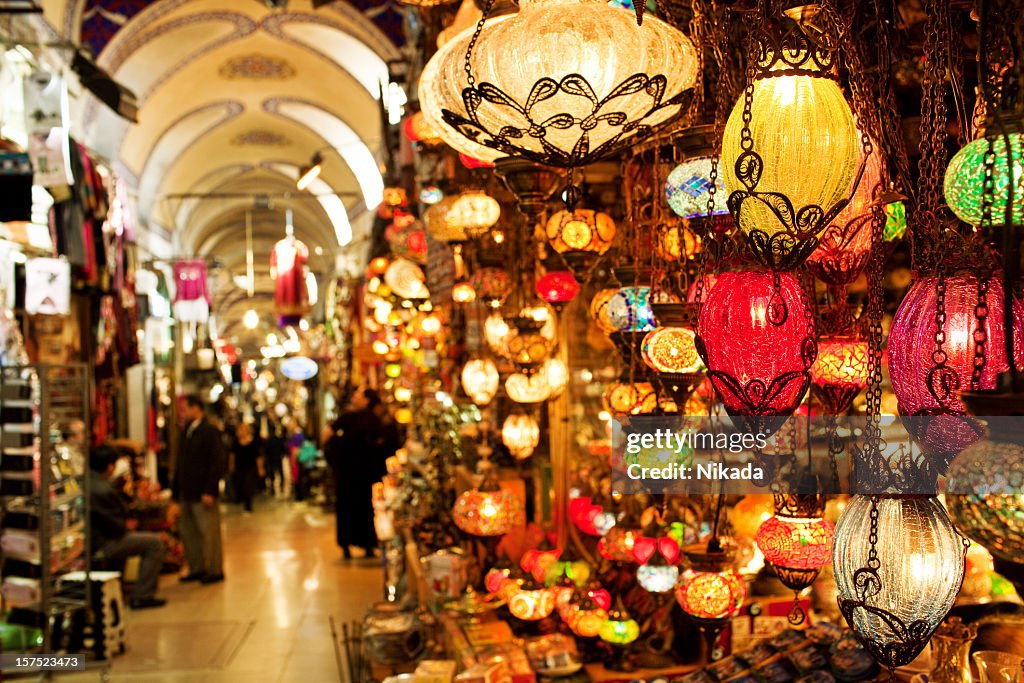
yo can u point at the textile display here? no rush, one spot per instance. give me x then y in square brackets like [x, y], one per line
[191, 292]
[47, 286]
[46, 114]
[287, 267]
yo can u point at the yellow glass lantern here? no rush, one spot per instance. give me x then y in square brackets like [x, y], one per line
[580, 230]
[711, 591]
[803, 130]
[671, 350]
[435, 220]
[473, 212]
[480, 380]
[599, 310]
[631, 398]
[520, 433]
[676, 241]
[620, 628]
[463, 293]
[496, 332]
[532, 388]
[556, 373]
[532, 604]
[487, 510]
[586, 623]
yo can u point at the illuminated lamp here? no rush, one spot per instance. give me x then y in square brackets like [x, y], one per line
[532, 604]
[491, 285]
[925, 390]
[430, 195]
[752, 511]
[480, 380]
[557, 288]
[532, 388]
[599, 310]
[617, 544]
[675, 241]
[496, 333]
[403, 416]
[620, 628]
[839, 372]
[430, 325]
[520, 433]
[586, 618]
[671, 351]
[710, 591]
[474, 212]
[571, 572]
[406, 279]
[435, 219]
[797, 542]
[578, 91]
[898, 565]
[629, 310]
[556, 373]
[687, 189]
[631, 398]
[418, 129]
[393, 370]
[496, 578]
[528, 347]
[757, 340]
[536, 561]
[580, 236]
[583, 512]
[463, 293]
[393, 199]
[473, 164]
[657, 576]
[845, 246]
[964, 184]
[895, 221]
[656, 552]
[797, 145]
[407, 238]
[487, 510]
[379, 265]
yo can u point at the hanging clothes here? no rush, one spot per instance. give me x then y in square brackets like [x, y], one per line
[15, 185]
[287, 267]
[47, 286]
[191, 296]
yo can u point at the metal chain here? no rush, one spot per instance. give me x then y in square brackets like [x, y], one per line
[470, 78]
[939, 355]
[873, 561]
[980, 333]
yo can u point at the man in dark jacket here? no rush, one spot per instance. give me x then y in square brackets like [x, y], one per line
[110, 524]
[201, 465]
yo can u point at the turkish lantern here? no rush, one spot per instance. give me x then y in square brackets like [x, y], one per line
[520, 433]
[711, 591]
[898, 565]
[533, 388]
[629, 310]
[797, 542]
[473, 212]
[964, 184]
[671, 351]
[599, 310]
[574, 234]
[583, 513]
[491, 285]
[558, 287]
[487, 510]
[480, 380]
[926, 389]
[839, 372]
[418, 129]
[801, 128]
[687, 189]
[620, 628]
[757, 341]
[845, 246]
[532, 604]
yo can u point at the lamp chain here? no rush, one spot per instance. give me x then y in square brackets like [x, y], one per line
[980, 333]
[470, 78]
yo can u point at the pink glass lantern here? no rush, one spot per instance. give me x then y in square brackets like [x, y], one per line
[922, 387]
[583, 513]
[558, 287]
[757, 339]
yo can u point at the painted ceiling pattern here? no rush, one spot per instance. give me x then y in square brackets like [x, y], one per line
[266, 138]
[257, 67]
[102, 19]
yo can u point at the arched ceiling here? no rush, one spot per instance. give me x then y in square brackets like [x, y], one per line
[234, 98]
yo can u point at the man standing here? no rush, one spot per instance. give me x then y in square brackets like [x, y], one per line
[201, 465]
[110, 527]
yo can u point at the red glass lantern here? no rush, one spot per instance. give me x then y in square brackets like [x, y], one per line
[472, 164]
[617, 544]
[583, 513]
[536, 561]
[488, 510]
[557, 287]
[845, 246]
[925, 389]
[756, 336]
[839, 372]
[407, 238]
[496, 578]
[797, 542]
[418, 129]
[711, 591]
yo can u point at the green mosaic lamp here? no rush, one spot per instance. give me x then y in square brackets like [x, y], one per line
[964, 182]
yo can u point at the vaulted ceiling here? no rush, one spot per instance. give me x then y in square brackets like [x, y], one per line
[234, 98]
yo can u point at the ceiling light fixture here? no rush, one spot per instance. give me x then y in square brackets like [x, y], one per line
[307, 174]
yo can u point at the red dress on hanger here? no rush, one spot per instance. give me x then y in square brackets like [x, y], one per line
[287, 267]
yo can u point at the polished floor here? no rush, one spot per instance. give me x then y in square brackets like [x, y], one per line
[269, 622]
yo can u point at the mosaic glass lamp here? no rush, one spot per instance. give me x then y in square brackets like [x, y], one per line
[561, 82]
[491, 285]
[895, 590]
[671, 350]
[580, 230]
[711, 591]
[686, 189]
[474, 212]
[629, 310]
[532, 388]
[964, 181]
[558, 288]
[839, 372]
[599, 310]
[487, 510]
[532, 604]
[620, 628]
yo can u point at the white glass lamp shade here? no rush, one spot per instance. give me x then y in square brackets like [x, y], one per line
[406, 279]
[520, 434]
[613, 65]
[804, 132]
[528, 388]
[480, 380]
[920, 570]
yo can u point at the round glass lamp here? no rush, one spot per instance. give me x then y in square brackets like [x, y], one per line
[710, 591]
[557, 287]
[599, 310]
[487, 511]
[629, 310]
[580, 230]
[671, 350]
[687, 189]
[474, 212]
[491, 285]
[480, 380]
[840, 371]
[520, 433]
[965, 175]
[533, 388]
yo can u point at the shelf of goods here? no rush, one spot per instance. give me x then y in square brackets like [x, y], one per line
[43, 419]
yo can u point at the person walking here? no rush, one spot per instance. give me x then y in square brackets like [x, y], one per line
[200, 467]
[274, 452]
[114, 538]
[247, 459]
[356, 446]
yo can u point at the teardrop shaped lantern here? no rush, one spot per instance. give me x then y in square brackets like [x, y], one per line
[965, 179]
[929, 390]
[520, 433]
[789, 160]
[756, 336]
[839, 372]
[480, 380]
[898, 564]
[562, 82]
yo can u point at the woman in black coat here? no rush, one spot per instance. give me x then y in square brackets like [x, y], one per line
[357, 446]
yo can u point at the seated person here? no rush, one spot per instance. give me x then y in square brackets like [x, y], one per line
[111, 529]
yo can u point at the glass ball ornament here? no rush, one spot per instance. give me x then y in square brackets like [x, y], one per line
[599, 310]
[580, 230]
[532, 388]
[671, 350]
[687, 189]
[803, 544]
[895, 600]
[474, 212]
[802, 128]
[629, 310]
[521, 434]
[985, 495]
[543, 59]
[964, 181]
[923, 392]
[557, 287]
[480, 380]
[483, 512]
[586, 623]
[758, 343]
[430, 195]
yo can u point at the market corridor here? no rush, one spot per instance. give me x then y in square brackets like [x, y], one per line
[267, 623]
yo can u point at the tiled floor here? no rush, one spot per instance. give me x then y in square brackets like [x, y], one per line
[269, 622]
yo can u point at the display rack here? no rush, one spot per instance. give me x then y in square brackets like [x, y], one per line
[43, 498]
